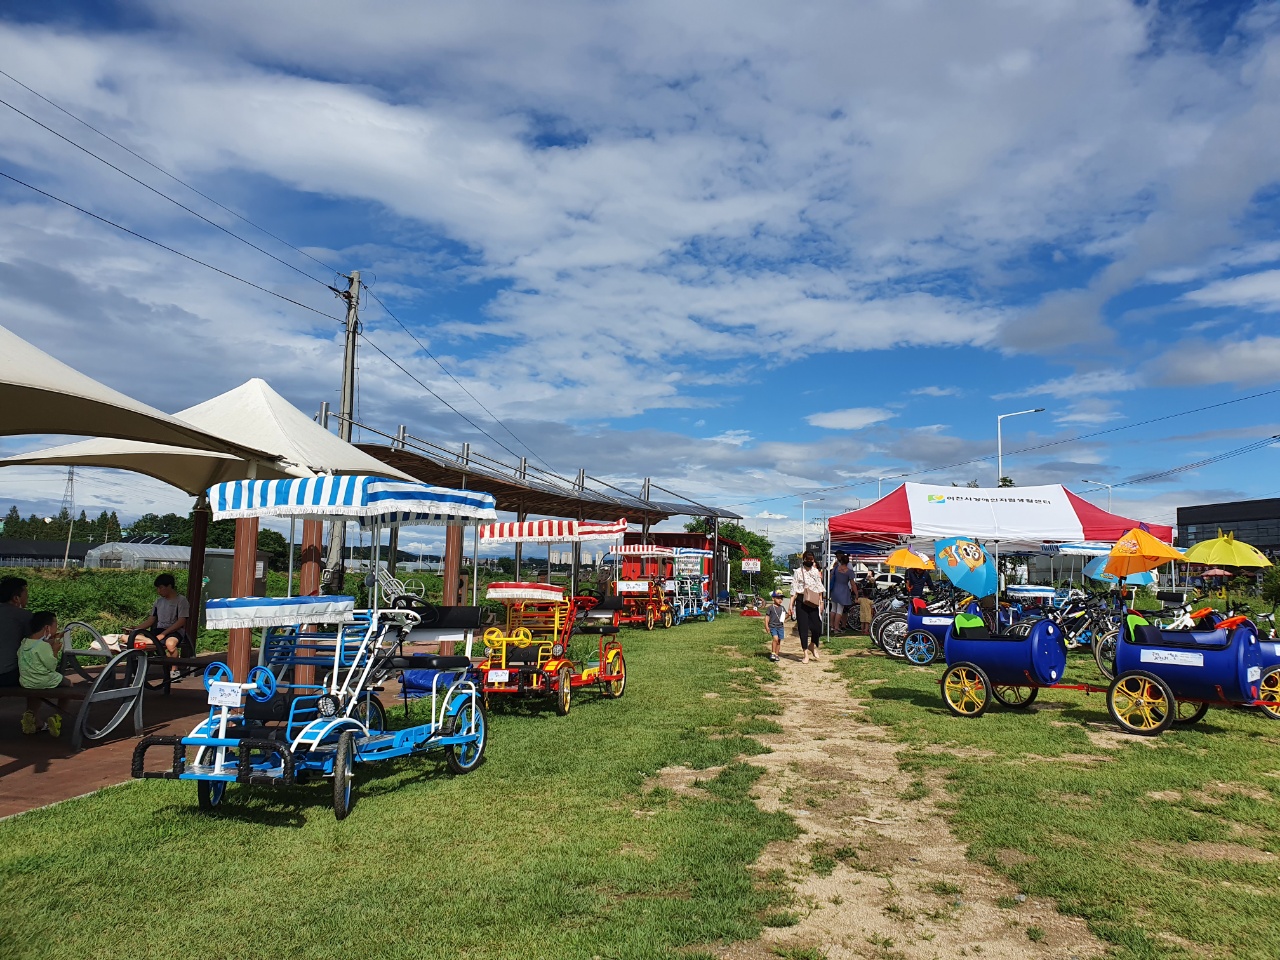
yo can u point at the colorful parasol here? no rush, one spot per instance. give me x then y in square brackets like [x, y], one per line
[1095, 570]
[910, 559]
[966, 564]
[1137, 552]
[1226, 551]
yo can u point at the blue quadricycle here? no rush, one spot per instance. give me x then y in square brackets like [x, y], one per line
[272, 729]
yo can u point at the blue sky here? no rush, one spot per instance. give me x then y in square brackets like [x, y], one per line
[749, 250]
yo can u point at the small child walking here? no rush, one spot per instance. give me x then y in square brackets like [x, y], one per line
[775, 619]
[38, 657]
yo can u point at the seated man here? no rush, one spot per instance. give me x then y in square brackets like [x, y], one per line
[167, 624]
[15, 618]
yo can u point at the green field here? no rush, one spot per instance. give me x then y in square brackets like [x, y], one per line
[1167, 846]
[558, 846]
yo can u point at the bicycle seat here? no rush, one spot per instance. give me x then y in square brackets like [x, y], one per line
[430, 661]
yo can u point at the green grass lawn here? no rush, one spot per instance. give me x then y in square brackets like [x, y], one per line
[556, 847]
[1165, 846]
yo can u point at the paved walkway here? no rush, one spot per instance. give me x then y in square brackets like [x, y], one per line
[39, 769]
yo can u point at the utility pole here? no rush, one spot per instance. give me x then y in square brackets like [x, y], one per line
[334, 572]
[69, 504]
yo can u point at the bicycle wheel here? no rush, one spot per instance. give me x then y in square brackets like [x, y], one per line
[893, 636]
[1104, 653]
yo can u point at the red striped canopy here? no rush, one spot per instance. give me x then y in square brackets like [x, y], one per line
[642, 550]
[552, 531]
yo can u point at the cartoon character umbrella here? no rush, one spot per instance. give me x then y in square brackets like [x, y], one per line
[1137, 552]
[1094, 571]
[910, 559]
[966, 564]
[1226, 551]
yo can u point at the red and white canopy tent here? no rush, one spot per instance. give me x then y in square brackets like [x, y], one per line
[1044, 514]
[553, 531]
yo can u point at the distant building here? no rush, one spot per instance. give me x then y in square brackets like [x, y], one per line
[1253, 521]
[143, 556]
[40, 553]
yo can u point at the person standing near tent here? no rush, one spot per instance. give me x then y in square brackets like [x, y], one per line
[807, 591]
[841, 591]
[917, 580]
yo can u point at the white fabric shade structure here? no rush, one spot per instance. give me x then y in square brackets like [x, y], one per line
[42, 395]
[252, 414]
[552, 531]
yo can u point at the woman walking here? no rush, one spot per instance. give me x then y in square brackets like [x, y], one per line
[841, 592]
[807, 591]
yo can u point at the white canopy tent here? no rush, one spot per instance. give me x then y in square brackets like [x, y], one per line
[252, 415]
[42, 395]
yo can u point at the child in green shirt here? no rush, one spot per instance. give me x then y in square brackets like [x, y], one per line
[38, 657]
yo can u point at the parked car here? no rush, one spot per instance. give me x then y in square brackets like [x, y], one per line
[886, 580]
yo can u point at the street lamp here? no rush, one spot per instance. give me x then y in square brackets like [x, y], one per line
[803, 526]
[1101, 484]
[1000, 441]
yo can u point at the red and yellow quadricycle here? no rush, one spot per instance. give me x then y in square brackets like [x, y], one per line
[550, 646]
[550, 643]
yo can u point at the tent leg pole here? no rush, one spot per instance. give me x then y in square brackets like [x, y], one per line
[293, 530]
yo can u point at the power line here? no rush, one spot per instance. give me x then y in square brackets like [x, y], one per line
[185, 256]
[408, 374]
[1039, 446]
[162, 170]
[423, 347]
[158, 193]
[1216, 458]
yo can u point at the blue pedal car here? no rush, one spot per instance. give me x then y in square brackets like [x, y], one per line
[271, 729]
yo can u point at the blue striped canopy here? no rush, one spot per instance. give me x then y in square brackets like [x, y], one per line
[370, 500]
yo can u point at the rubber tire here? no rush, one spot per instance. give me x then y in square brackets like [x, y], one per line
[1171, 704]
[1104, 653]
[668, 619]
[210, 794]
[1191, 718]
[344, 757]
[1272, 695]
[981, 677]
[649, 618]
[564, 691]
[927, 648]
[893, 636]
[712, 610]
[375, 709]
[452, 757]
[1004, 701]
[613, 689]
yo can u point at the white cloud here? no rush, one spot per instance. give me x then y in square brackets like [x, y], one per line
[854, 418]
[1194, 363]
[1256, 291]
[734, 438]
[1078, 385]
[932, 391]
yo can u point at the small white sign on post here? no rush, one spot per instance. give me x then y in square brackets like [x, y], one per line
[224, 694]
[750, 566]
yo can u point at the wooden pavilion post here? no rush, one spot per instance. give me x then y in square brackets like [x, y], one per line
[452, 575]
[310, 569]
[243, 567]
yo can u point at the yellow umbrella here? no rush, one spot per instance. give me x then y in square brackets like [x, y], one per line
[910, 559]
[1226, 551]
[1137, 552]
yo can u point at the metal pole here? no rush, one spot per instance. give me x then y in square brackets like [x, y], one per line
[334, 566]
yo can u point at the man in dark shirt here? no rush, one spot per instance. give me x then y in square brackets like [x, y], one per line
[15, 618]
[917, 580]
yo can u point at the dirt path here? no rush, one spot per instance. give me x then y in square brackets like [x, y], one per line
[877, 872]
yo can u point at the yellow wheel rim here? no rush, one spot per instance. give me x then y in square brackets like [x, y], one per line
[612, 658]
[1269, 690]
[1014, 695]
[1140, 704]
[965, 690]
